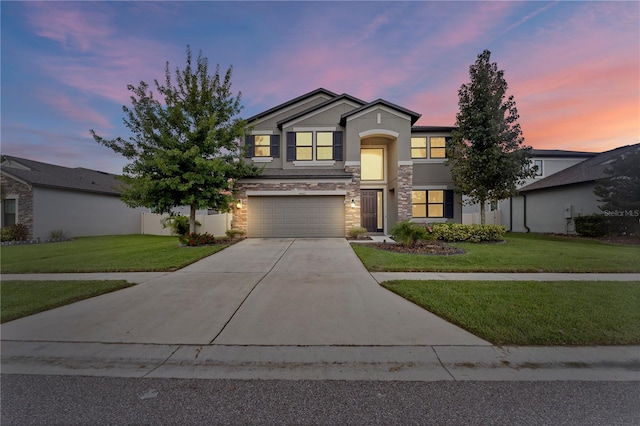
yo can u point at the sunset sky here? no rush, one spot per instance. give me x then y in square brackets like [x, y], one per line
[573, 67]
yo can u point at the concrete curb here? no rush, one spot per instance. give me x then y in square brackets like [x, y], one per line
[380, 363]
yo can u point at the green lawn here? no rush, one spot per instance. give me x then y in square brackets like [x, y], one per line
[520, 253]
[22, 298]
[121, 253]
[533, 312]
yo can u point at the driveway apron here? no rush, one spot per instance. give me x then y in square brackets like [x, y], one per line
[257, 292]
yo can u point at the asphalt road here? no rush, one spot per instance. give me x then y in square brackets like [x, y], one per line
[74, 400]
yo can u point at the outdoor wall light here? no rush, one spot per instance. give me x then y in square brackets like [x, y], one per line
[239, 204]
[353, 203]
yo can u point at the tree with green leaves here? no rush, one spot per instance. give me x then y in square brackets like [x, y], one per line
[486, 154]
[620, 190]
[184, 149]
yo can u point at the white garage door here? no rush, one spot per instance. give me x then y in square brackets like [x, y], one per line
[296, 216]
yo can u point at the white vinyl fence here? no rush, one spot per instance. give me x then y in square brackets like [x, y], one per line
[214, 224]
[491, 218]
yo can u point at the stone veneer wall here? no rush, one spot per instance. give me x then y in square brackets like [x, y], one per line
[10, 187]
[403, 191]
[352, 215]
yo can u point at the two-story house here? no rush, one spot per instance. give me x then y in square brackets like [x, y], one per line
[333, 162]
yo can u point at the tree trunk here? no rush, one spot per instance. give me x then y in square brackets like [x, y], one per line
[483, 215]
[192, 219]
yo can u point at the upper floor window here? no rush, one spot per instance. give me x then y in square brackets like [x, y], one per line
[434, 146]
[324, 145]
[304, 146]
[538, 165]
[314, 146]
[437, 148]
[262, 145]
[372, 164]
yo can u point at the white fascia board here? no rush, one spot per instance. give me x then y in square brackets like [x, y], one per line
[319, 111]
[294, 192]
[379, 107]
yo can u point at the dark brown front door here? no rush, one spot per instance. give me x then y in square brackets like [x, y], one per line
[370, 209]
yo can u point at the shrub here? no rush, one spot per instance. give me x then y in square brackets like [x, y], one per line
[597, 225]
[58, 234]
[593, 225]
[234, 233]
[356, 232]
[179, 224]
[6, 234]
[192, 239]
[407, 233]
[457, 232]
[19, 231]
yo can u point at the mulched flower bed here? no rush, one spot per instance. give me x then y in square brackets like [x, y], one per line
[420, 247]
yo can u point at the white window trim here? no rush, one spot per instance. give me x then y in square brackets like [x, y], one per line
[262, 159]
[314, 163]
[261, 132]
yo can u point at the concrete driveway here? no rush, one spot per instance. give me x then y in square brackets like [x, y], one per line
[275, 292]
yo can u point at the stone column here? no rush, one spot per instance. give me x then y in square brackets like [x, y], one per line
[403, 192]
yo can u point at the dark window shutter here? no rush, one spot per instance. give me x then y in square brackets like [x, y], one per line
[275, 146]
[248, 143]
[337, 146]
[448, 204]
[291, 146]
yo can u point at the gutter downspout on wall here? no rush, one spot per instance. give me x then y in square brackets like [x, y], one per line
[524, 214]
[511, 214]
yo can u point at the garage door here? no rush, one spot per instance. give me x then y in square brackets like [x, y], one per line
[296, 216]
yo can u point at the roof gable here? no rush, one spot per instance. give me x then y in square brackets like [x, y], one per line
[292, 102]
[345, 98]
[40, 174]
[414, 116]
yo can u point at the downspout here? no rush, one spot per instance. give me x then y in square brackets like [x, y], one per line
[524, 196]
[511, 214]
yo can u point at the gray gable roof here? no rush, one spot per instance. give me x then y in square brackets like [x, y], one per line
[292, 102]
[586, 171]
[558, 153]
[344, 96]
[414, 115]
[47, 175]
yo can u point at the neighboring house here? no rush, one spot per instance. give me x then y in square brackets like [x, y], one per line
[547, 163]
[78, 201]
[551, 204]
[333, 162]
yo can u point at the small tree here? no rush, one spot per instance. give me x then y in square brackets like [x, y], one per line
[184, 150]
[487, 157]
[620, 190]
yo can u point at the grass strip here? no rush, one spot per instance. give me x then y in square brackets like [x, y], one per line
[116, 253]
[520, 253]
[546, 313]
[22, 298]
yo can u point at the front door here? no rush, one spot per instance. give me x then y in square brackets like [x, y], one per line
[371, 209]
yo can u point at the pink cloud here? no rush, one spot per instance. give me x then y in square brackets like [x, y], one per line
[71, 109]
[99, 61]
